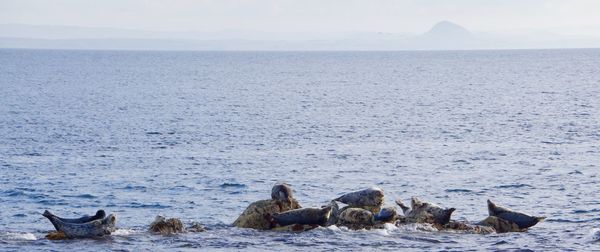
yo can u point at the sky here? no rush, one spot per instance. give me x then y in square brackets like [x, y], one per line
[389, 16]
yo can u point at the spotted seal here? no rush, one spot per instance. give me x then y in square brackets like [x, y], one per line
[356, 218]
[425, 212]
[523, 221]
[500, 225]
[85, 227]
[366, 197]
[282, 192]
[302, 216]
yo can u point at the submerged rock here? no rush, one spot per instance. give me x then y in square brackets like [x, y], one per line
[56, 235]
[165, 226]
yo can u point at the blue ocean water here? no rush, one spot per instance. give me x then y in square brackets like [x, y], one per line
[200, 135]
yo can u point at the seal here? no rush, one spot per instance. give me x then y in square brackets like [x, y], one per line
[425, 212]
[100, 214]
[335, 212]
[85, 227]
[387, 214]
[522, 220]
[367, 197]
[356, 218]
[282, 192]
[500, 225]
[302, 216]
[258, 214]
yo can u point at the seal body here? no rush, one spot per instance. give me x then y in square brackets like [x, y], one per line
[282, 192]
[386, 214]
[367, 197]
[522, 220]
[500, 225]
[258, 214]
[466, 228]
[335, 212]
[85, 227]
[303, 216]
[356, 218]
[425, 212]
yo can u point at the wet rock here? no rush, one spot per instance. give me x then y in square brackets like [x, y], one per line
[258, 215]
[165, 226]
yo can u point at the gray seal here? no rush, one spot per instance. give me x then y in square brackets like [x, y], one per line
[303, 216]
[84, 227]
[386, 214]
[356, 217]
[282, 192]
[425, 212]
[522, 220]
[367, 197]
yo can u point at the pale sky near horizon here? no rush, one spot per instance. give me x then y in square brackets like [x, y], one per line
[397, 16]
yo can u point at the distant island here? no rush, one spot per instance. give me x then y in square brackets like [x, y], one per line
[444, 35]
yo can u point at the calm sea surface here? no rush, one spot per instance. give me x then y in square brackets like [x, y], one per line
[200, 135]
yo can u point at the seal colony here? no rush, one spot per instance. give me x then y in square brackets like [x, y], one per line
[364, 209]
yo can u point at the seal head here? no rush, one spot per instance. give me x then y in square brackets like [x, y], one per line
[282, 192]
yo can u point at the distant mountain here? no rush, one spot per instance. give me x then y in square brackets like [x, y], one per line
[444, 35]
[448, 30]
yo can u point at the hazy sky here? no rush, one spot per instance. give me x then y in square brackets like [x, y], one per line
[396, 16]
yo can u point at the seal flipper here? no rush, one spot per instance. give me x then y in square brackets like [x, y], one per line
[445, 217]
[404, 208]
[51, 217]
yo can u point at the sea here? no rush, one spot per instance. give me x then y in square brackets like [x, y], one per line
[201, 135]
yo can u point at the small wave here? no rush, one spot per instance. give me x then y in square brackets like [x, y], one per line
[579, 211]
[83, 196]
[414, 227]
[513, 186]
[458, 190]
[12, 236]
[141, 205]
[235, 185]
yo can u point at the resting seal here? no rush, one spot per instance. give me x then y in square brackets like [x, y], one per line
[302, 216]
[84, 227]
[356, 218]
[386, 214]
[367, 197]
[425, 212]
[500, 225]
[522, 220]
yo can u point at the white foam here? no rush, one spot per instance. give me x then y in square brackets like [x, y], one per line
[124, 232]
[11, 236]
[594, 235]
